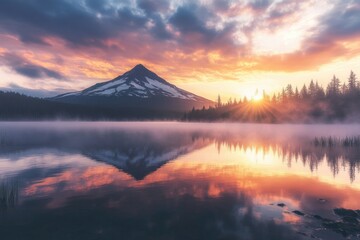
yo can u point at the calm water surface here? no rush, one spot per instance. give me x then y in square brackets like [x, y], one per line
[177, 181]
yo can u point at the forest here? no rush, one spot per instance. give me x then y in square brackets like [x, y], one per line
[312, 103]
[19, 107]
[338, 102]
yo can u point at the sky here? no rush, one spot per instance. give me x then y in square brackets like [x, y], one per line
[208, 47]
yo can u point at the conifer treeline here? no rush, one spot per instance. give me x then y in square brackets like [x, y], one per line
[15, 106]
[311, 103]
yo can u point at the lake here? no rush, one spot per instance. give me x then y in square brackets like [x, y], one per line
[170, 180]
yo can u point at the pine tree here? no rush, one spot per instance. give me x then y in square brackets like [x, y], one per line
[312, 89]
[333, 87]
[352, 83]
[265, 96]
[296, 94]
[289, 91]
[218, 104]
[319, 91]
[245, 100]
[304, 92]
[283, 95]
[273, 99]
[344, 89]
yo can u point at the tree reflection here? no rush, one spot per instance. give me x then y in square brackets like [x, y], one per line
[9, 194]
[336, 156]
[142, 149]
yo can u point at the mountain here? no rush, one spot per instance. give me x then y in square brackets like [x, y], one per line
[140, 162]
[138, 88]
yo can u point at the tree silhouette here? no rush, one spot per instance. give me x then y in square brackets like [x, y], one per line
[333, 87]
[352, 83]
[304, 92]
[218, 102]
[311, 104]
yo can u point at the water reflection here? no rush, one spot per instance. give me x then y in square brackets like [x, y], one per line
[8, 195]
[177, 181]
[336, 157]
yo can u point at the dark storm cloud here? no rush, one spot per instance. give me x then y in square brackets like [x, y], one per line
[24, 67]
[221, 5]
[35, 19]
[159, 30]
[151, 6]
[100, 6]
[92, 22]
[198, 29]
[126, 19]
[34, 71]
[343, 21]
[154, 9]
[186, 21]
[192, 19]
[260, 4]
[340, 24]
[282, 13]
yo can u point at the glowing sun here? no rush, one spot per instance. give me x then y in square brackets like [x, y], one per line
[257, 97]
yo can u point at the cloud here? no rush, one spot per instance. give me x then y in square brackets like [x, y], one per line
[42, 93]
[101, 6]
[340, 23]
[279, 14]
[332, 38]
[212, 39]
[153, 6]
[198, 29]
[33, 71]
[260, 4]
[187, 21]
[159, 29]
[34, 20]
[98, 21]
[23, 67]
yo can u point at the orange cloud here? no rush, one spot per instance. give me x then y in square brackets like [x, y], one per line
[312, 57]
[218, 46]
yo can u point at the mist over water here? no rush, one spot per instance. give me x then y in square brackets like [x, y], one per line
[171, 180]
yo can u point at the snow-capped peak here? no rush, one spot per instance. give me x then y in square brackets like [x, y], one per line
[138, 82]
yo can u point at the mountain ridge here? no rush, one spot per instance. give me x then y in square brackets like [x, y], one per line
[138, 87]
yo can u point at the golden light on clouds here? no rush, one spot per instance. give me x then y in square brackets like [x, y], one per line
[205, 47]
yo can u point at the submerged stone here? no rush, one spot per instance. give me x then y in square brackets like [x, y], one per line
[297, 212]
[344, 228]
[342, 212]
[349, 219]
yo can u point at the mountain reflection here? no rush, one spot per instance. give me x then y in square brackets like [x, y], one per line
[174, 181]
[141, 156]
[139, 151]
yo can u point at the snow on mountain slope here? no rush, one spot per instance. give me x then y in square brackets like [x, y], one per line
[138, 82]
